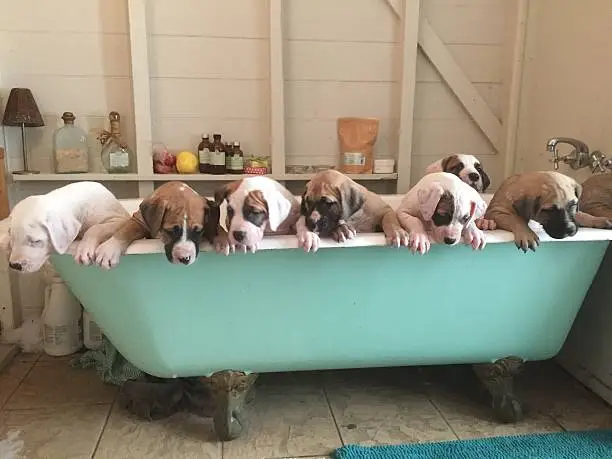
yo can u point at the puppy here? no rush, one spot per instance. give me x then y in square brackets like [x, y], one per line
[466, 167]
[43, 224]
[549, 198]
[595, 203]
[444, 208]
[174, 213]
[334, 205]
[254, 206]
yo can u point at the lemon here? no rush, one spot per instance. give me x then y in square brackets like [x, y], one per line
[187, 162]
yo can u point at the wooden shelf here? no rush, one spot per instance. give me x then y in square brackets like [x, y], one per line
[182, 177]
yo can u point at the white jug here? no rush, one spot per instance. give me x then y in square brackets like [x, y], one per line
[92, 334]
[62, 329]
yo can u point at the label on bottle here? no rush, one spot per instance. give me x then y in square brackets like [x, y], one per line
[236, 163]
[204, 156]
[228, 161]
[217, 158]
[65, 336]
[354, 158]
[119, 159]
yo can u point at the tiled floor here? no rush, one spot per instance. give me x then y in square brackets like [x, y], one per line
[60, 412]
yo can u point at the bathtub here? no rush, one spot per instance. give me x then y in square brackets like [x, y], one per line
[360, 304]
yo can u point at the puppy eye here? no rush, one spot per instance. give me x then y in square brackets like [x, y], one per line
[257, 211]
[465, 219]
[34, 242]
[477, 166]
[197, 229]
[230, 211]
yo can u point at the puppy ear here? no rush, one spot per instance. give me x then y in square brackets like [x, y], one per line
[351, 199]
[435, 167]
[485, 179]
[429, 197]
[222, 193]
[5, 242]
[211, 220]
[152, 211]
[63, 229]
[278, 208]
[527, 207]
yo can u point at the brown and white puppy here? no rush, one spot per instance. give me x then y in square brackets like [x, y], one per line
[250, 208]
[334, 205]
[174, 213]
[547, 197]
[595, 203]
[467, 167]
[443, 208]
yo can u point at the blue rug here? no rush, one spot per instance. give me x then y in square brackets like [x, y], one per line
[563, 445]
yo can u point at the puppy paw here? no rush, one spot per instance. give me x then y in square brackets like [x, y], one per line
[108, 254]
[85, 253]
[309, 241]
[602, 222]
[223, 246]
[419, 243]
[344, 232]
[398, 238]
[526, 240]
[485, 224]
[475, 238]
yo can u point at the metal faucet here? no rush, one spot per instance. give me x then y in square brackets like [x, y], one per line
[578, 158]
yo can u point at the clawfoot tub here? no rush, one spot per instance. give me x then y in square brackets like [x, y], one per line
[357, 305]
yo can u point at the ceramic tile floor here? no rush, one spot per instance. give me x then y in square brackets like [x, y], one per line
[65, 413]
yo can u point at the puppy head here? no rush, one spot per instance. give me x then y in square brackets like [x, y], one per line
[553, 203]
[253, 205]
[466, 167]
[181, 218]
[326, 204]
[38, 228]
[448, 214]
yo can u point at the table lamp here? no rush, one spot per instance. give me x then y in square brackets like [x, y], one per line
[21, 110]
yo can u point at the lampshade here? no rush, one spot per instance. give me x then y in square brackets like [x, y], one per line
[21, 109]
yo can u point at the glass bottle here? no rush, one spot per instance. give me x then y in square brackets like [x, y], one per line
[204, 154]
[217, 156]
[229, 146]
[116, 155]
[236, 164]
[70, 150]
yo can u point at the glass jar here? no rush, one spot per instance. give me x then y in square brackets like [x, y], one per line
[236, 160]
[117, 158]
[217, 156]
[70, 150]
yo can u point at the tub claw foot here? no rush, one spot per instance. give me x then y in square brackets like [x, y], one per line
[231, 391]
[498, 380]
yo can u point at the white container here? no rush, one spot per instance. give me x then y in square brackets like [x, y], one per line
[92, 335]
[62, 332]
[384, 166]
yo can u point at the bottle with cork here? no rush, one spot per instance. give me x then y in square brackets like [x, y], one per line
[217, 156]
[204, 154]
[236, 160]
[116, 156]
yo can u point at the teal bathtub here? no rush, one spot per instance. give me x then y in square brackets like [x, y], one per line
[360, 305]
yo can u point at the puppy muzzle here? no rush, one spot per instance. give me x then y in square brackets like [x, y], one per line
[561, 230]
[183, 253]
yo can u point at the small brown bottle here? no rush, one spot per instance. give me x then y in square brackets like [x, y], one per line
[236, 164]
[217, 156]
[204, 154]
[229, 147]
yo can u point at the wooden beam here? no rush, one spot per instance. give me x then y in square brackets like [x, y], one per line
[137, 10]
[514, 82]
[396, 7]
[410, 34]
[456, 79]
[277, 89]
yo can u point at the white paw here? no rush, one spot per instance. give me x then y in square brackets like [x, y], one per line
[475, 238]
[108, 254]
[485, 225]
[85, 253]
[309, 241]
[419, 243]
[224, 247]
[398, 238]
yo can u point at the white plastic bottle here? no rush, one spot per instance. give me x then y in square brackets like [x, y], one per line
[62, 329]
[92, 335]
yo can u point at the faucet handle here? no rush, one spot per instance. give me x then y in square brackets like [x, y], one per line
[555, 160]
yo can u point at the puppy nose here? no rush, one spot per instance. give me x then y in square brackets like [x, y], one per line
[473, 176]
[184, 260]
[239, 235]
[449, 240]
[16, 266]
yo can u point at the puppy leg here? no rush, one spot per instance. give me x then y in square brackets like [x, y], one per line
[222, 243]
[394, 233]
[419, 240]
[344, 232]
[93, 237]
[473, 236]
[485, 224]
[108, 253]
[590, 221]
[524, 237]
[308, 240]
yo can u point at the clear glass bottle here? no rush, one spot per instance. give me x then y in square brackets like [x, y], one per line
[70, 150]
[117, 158]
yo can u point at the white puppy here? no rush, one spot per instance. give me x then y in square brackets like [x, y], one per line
[250, 208]
[467, 167]
[443, 208]
[43, 224]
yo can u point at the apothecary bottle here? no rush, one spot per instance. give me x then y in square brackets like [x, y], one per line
[217, 156]
[70, 149]
[117, 158]
[236, 162]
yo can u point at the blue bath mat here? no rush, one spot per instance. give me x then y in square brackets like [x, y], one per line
[594, 444]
